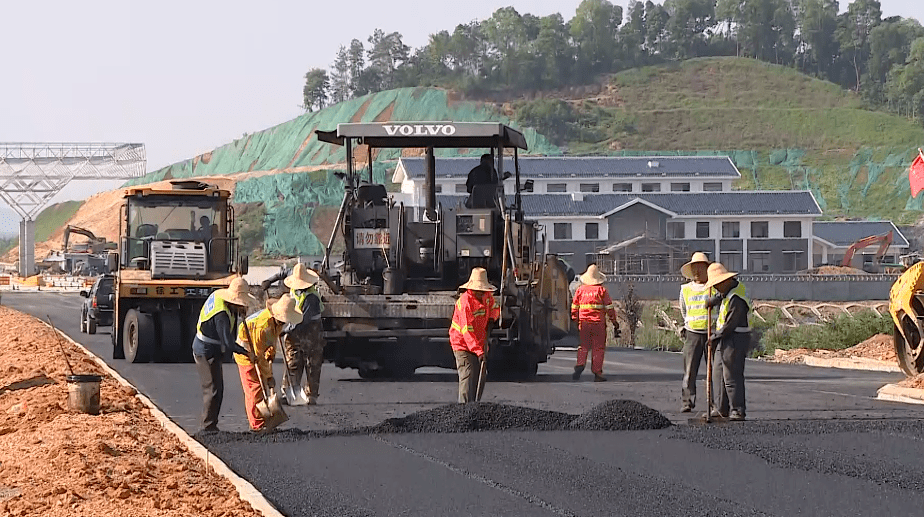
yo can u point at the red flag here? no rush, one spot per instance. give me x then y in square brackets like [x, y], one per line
[916, 174]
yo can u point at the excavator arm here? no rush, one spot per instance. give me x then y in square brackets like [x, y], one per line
[884, 241]
[69, 229]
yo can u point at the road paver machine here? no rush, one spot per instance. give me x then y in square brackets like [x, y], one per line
[389, 303]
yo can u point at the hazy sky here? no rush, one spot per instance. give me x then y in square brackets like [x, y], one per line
[186, 76]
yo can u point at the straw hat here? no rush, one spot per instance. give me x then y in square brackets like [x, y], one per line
[478, 281]
[237, 293]
[698, 258]
[284, 310]
[301, 278]
[593, 276]
[718, 274]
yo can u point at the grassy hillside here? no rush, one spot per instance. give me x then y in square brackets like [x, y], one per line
[53, 218]
[782, 128]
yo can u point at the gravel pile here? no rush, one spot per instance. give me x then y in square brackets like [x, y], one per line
[620, 415]
[479, 416]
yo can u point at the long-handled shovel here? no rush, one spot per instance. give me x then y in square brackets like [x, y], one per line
[269, 408]
[295, 397]
[482, 376]
[708, 416]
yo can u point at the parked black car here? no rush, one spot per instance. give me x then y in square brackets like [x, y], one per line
[98, 306]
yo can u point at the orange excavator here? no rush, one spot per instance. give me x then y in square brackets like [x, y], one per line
[884, 241]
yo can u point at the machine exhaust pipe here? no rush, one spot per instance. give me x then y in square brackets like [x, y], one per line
[430, 185]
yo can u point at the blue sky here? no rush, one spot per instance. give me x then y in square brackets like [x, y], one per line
[184, 77]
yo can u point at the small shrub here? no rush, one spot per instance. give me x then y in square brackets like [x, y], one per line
[631, 312]
[844, 331]
[653, 337]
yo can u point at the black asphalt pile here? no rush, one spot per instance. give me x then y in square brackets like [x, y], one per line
[620, 415]
[479, 416]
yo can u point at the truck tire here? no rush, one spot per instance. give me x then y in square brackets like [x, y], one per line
[83, 321]
[91, 325]
[117, 351]
[138, 338]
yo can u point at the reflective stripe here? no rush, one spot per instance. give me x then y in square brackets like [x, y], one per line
[591, 306]
[202, 337]
[211, 308]
[459, 328]
[480, 312]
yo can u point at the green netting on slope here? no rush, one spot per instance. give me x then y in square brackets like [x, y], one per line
[292, 144]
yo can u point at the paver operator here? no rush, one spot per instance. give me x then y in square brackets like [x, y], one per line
[304, 344]
[733, 338]
[590, 307]
[264, 327]
[475, 309]
[218, 320]
[481, 174]
[693, 298]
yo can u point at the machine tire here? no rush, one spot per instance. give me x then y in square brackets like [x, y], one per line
[117, 351]
[368, 373]
[172, 347]
[91, 325]
[138, 336]
[911, 361]
[83, 321]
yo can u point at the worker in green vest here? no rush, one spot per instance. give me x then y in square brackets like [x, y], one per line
[693, 298]
[732, 337]
[215, 335]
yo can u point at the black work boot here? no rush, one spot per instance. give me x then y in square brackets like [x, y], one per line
[599, 377]
[577, 373]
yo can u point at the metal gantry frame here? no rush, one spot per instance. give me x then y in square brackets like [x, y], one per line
[31, 173]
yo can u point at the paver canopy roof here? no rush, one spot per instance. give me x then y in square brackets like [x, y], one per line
[426, 134]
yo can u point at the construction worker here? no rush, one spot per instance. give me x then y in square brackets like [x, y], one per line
[732, 337]
[218, 319]
[481, 174]
[468, 335]
[590, 307]
[264, 328]
[693, 298]
[304, 345]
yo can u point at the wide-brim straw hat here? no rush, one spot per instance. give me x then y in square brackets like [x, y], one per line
[593, 276]
[478, 281]
[237, 293]
[718, 274]
[698, 258]
[301, 278]
[285, 311]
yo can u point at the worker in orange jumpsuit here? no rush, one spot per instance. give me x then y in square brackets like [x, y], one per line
[468, 335]
[590, 307]
[264, 328]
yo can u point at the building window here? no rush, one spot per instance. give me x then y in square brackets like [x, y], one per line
[710, 186]
[702, 230]
[792, 229]
[676, 230]
[562, 231]
[461, 188]
[556, 187]
[760, 262]
[731, 260]
[590, 187]
[622, 187]
[651, 187]
[760, 230]
[680, 187]
[439, 188]
[591, 231]
[791, 261]
[731, 229]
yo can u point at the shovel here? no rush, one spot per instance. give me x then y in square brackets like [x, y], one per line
[483, 375]
[269, 408]
[294, 397]
[708, 416]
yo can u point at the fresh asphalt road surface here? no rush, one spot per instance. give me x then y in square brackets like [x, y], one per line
[817, 442]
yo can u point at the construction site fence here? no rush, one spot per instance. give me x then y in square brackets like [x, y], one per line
[792, 287]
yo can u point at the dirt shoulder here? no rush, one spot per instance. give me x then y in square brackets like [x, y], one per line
[121, 462]
[876, 348]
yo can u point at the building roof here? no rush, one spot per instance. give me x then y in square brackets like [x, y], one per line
[742, 202]
[537, 167]
[844, 233]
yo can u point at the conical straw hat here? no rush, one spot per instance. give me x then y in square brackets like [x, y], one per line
[237, 293]
[301, 278]
[478, 281]
[698, 258]
[285, 311]
[718, 274]
[593, 276]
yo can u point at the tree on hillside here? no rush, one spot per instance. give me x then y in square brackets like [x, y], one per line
[656, 36]
[553, 54]
[689, 20]
[340, 76]
[853, 31]
[594, 28]
[314, 93]
[507, 34]
[906, 82]
[356, 60]
[386, 54]
[632, 35]
[816, 21]
[889, 45]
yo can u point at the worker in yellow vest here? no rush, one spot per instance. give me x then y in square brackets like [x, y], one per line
[733, 337]
[693, 297]
[215, 335]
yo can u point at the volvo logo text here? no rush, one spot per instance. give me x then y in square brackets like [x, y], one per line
[419, 129]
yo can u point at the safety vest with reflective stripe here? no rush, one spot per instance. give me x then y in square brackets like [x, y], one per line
[301, 298]
[738, 291]
[212, 307]
[694, 297]
[592, 303]
[469, 329]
